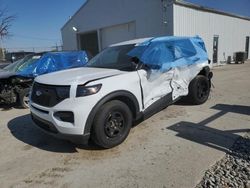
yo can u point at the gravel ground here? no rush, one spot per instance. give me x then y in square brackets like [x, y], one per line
[233, 170]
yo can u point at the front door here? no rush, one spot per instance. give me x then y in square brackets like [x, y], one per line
[155, 85]
[215, 49]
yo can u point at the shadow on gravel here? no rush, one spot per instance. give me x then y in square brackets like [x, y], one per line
[214, 138]
[24, 130]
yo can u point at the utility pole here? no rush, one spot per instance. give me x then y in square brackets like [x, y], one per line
[56, 47]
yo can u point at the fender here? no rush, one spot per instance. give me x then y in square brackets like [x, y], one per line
[206, 71]
[114, 95]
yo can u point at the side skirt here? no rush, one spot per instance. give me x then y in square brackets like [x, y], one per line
[158, 106]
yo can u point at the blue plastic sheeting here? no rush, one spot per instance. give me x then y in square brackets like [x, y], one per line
[165, 53]
[54, 61]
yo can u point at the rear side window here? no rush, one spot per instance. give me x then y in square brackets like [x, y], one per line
[181, 48]
[202, 45]
[169, 51]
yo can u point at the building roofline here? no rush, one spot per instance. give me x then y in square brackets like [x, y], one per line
[84, 4]
[206, 9]
[177, 2]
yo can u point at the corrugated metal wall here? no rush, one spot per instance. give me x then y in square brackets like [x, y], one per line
[232, 31]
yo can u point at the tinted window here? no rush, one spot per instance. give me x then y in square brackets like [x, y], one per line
[114, 58]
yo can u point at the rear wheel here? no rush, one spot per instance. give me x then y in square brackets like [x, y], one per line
[24, 98]
[199, 90]
[112, 124]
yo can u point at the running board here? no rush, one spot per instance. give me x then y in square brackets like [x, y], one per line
[158, 106]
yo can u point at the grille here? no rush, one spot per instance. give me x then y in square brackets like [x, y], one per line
[49, 95]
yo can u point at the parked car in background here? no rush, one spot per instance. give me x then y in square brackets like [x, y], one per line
[3, 64]
[123, 83]
[15, 56]
[17, 78]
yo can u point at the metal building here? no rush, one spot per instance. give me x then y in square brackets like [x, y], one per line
[98, 24]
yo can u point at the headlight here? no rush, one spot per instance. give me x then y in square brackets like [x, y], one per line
[87, 90]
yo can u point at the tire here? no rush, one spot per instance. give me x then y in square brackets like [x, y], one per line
[23, 98]
[112, 124]
[199, 90]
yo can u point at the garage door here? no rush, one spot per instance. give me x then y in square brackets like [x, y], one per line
[117, 33]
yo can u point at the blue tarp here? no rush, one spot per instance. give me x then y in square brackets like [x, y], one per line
[54, 61]
[165, 53]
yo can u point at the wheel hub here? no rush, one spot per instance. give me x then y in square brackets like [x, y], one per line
[26, 100]
[114, 124]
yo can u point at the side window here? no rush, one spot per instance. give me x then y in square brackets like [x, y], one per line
[182, 49]
[158, 54]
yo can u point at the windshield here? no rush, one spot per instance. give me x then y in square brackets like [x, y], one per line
[114, 58]
[21, 64]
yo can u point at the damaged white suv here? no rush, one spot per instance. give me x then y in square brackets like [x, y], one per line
[125, 82]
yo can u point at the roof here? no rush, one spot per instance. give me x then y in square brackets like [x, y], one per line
[154, 39]
[135, 41]
[84, 4]
[206, 9]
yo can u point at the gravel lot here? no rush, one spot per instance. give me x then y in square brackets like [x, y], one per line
[233, 170]
[174, 148]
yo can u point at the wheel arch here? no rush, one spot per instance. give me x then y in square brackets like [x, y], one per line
[205, 71]
[122, 95]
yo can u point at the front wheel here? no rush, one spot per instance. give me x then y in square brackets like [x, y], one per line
[112, 124]
[199, 90]
[24, 98]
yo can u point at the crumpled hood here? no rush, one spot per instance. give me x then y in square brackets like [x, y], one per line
[6, 74]
[77, 76]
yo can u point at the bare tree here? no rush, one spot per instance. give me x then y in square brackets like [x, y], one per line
[5, 23]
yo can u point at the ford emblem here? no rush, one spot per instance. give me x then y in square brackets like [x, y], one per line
[38, 93]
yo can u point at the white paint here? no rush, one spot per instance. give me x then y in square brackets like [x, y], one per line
[182, 76]
[82, 106]
[155, 85]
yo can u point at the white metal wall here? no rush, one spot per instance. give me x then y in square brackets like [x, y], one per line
[117, 33]
[148, 16]
[232, 31]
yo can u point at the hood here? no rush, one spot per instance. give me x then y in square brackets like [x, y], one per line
[76, 76]
[6, 74]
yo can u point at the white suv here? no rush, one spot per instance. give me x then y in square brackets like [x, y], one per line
[125, 82]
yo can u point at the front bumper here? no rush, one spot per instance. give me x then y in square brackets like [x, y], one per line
[46, 119]
[51, 129]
